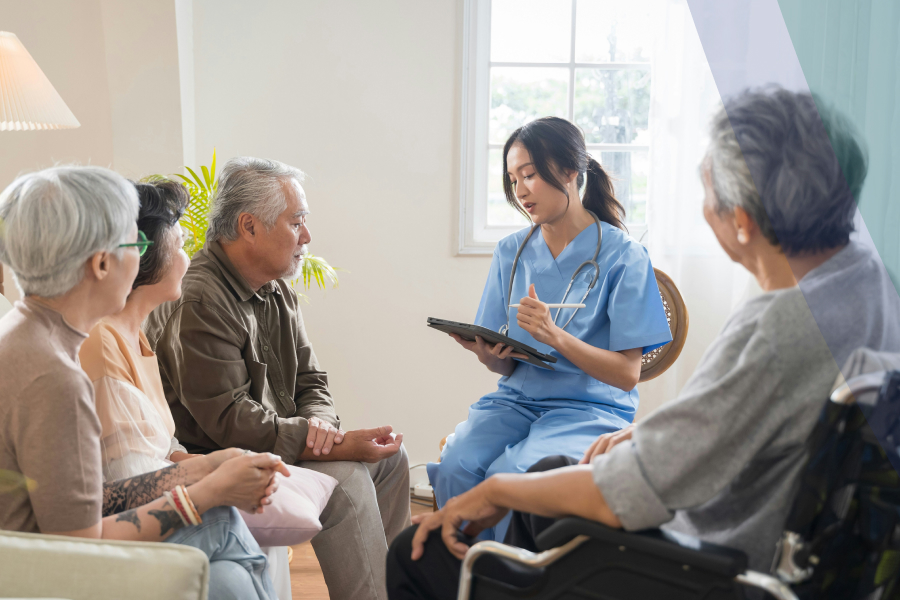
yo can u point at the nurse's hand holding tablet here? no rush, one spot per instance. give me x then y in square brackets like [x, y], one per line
[577, 253]
[498, 358]
[534, 317]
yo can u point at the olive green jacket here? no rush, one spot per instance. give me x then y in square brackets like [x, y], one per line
[237, 366]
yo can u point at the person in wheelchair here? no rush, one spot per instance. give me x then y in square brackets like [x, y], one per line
[721, 462]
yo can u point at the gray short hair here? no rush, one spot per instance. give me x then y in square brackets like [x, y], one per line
[249, 185]
[53, 221]
[794, 164]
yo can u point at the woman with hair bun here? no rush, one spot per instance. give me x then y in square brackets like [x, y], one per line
[590, 390]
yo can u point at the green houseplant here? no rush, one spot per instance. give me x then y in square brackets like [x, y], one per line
[196, 222]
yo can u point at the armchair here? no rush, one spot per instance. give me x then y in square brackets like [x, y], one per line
[54, 566]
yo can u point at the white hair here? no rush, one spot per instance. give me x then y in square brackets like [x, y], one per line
[53, 221]
[793, 163]
[249, 185]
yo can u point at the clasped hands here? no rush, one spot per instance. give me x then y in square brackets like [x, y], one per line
[244, 479]
[247, 480]
[322, 436]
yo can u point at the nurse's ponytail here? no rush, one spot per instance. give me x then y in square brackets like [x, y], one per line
[557, 145]
[599, 196]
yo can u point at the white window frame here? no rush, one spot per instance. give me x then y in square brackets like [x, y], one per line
[476, 236]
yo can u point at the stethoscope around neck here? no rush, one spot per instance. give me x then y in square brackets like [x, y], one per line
[588, 263]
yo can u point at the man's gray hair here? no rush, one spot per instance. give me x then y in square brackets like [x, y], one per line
[794, 164]
[731, 177]
[53, 221]
[249, 185]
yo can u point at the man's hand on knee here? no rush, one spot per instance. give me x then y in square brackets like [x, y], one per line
[322, 436]
[373, 445]
[475, 507]
[363, 445]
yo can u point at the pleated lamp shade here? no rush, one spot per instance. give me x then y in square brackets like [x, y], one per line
[28, 100]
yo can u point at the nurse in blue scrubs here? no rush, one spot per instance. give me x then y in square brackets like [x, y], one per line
[536, 412]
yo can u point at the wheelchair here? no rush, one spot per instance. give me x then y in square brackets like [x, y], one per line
[841, 539]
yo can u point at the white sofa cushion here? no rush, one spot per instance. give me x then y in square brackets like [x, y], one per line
[34, 565]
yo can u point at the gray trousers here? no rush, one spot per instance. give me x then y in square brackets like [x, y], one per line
[368, 509]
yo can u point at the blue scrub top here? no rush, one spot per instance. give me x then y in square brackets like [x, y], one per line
[623, 311]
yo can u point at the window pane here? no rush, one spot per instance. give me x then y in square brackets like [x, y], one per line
[522, 94]
[629, 171]
[531, 30]
[613, 106]
[612, 31]
[498, 211]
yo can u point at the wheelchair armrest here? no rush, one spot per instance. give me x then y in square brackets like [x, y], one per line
[676, 547]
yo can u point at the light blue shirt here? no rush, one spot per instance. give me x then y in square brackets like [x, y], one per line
[623, 311]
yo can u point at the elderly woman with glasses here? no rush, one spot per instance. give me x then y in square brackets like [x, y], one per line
[69, 235]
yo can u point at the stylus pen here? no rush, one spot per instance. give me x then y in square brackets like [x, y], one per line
[554, 305]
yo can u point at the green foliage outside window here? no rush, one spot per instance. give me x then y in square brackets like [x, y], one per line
[611, 107]
[610, 78]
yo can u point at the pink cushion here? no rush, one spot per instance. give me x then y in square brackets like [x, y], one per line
[293, 516]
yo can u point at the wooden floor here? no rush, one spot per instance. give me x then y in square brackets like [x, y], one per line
[307, 582]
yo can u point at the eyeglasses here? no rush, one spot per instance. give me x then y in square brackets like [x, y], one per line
[142, 244]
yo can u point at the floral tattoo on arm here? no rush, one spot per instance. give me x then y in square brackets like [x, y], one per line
[124, 494]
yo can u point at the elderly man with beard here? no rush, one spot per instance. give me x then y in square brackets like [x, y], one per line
[239, 370]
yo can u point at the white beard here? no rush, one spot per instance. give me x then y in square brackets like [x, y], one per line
[294, 271]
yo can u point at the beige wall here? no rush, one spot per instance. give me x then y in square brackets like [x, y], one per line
[115, 64]
[142, 70]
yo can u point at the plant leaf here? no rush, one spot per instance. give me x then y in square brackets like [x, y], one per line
[11, 481]
[196, 178]
[153, 178]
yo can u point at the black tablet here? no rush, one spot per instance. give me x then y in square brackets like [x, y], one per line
[468, 332]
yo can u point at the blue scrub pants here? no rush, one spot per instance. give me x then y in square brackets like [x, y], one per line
[508, 436]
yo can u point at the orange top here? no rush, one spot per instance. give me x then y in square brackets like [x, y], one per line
[107, 354]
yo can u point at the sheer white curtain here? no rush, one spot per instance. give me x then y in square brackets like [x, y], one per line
[683, 100]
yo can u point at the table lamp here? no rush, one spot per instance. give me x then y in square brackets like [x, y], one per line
[28, 100]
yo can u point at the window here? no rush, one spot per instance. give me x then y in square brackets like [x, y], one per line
[585, 60]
